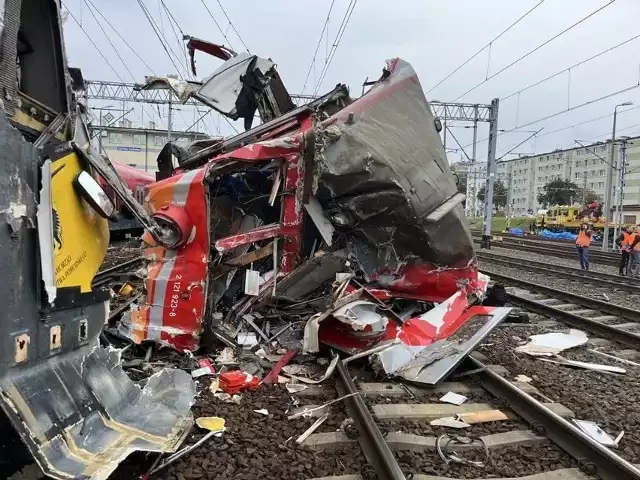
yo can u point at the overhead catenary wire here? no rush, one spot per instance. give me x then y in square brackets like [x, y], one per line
[98, 49]
[315, 54]
[568, 69]
[159, 35]
[119, 36]
[535, 49]
[178, 38]
[217, 24]
[233, 26]
[336, 44]
[562, 112]
[488, 45]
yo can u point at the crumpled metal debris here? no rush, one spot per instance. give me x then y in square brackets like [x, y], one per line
[341, 216]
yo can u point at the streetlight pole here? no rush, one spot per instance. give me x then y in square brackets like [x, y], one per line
[610, 171]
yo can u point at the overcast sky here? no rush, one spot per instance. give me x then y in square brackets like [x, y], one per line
[435, 36]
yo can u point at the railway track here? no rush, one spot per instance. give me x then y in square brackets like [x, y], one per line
[602, 279]
[595, 256]
[586, 313]
[534, 238]
[377, 411]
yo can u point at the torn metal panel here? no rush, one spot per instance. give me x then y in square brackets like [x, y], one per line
[176, 280]
[183, 89]
[46, 233]
[387, 171]
[320, 220]
[80, 415]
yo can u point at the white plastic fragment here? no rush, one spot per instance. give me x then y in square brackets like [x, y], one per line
[225, 397]
[523, 379]
[453, 398]
[450, 422]
[594, 431]
[295, 387]
[550, 344]
[262, 411]
[312, 428]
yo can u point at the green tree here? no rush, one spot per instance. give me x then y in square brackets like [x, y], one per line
[559, 192]
[499, 193]
[589, 196]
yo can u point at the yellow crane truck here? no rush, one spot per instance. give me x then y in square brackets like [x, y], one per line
[65, 395]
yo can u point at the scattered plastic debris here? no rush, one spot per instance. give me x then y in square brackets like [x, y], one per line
[295, 387]
[523, 379]
[482, 417]
[453, 398]
[312, 428]
[595, 431]
[206, 368]
[225, 397]
[586, 365]
[213, 424]
[550, 344]
[262, 411]
[237, 381]
[449, 422]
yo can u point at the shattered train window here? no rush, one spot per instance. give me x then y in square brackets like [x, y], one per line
[239, 202]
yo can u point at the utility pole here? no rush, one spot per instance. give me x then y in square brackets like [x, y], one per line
[475, 132]
[622, 167]
[607, 194]
[169, 125]
[491, 174]
[584, 189]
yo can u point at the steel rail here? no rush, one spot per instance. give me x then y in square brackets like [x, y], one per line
[610, 308]
[372, 442]
[597, 328]
[597, 278]
[589, 453]
[601, 258]
[533, 238]
[548, 242]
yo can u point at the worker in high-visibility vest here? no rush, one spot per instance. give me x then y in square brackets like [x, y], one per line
[634, 259]
[624, 244]
[582, 243]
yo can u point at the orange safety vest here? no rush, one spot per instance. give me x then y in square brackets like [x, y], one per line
[627, 240]
[583, 239]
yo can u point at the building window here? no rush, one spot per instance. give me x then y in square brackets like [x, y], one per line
[600, 184]
[603, 148]
[602, 173]
[158, 140]
[138, 139]
[629, 219]
[113, 137]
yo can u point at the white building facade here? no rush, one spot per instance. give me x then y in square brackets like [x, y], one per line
[587, 166]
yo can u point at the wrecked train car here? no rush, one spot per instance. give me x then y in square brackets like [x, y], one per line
[67, 397]
[341, 216]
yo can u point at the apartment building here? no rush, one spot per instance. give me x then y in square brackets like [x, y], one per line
[526, 177]
[139, 146]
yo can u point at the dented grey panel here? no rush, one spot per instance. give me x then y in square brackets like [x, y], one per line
[386, 168]
[81, 415]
